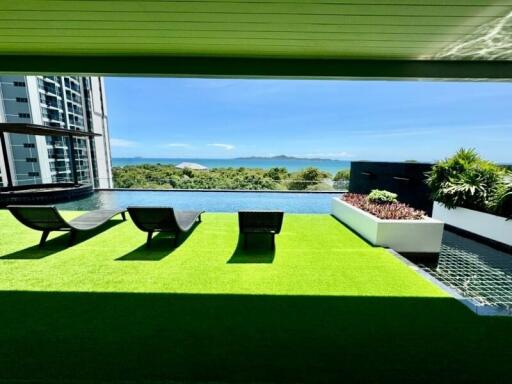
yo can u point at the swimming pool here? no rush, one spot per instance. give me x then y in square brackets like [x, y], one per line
[207, 201]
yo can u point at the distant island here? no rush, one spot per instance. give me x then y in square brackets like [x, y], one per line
[283, 157]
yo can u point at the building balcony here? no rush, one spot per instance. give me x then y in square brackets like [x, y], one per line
[54, 106]
[51, 79]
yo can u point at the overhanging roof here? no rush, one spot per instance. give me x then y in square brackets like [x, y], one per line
[34, 129]
[370, 38]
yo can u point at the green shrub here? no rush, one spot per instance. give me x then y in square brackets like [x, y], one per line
[382, 197]
[188, 172]
[344, 174]
[308, 177]
[277, 173]
[501, 202]
[465, 180]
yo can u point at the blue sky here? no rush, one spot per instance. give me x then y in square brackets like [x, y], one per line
[348, 120]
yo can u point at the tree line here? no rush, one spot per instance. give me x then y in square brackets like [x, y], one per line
[163, 176]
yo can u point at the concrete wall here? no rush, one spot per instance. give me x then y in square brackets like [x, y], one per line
[100, 125]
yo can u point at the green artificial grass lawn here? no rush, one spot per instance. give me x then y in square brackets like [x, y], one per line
[315, 255]
[325, 306]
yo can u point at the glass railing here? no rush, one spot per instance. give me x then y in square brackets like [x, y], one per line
[64, 174]
[227, 184]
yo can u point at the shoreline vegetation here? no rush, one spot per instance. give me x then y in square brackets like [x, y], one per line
[291, 164]
[165, 176]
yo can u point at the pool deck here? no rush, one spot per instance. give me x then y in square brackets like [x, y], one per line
[325, 305]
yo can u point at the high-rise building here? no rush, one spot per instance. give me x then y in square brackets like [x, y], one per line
[68, 102]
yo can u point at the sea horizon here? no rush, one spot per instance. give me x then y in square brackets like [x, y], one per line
[292, 165]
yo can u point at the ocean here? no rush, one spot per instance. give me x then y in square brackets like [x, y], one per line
[331, 166]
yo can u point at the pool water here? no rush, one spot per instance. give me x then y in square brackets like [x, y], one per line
[207, 201]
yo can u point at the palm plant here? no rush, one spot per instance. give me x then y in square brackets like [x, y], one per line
[465, 180]
[501, 202]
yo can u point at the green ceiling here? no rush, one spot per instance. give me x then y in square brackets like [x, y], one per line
[128, 36]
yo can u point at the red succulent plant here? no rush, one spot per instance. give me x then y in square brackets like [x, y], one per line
[386, 211]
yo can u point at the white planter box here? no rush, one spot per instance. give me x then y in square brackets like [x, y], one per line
[407, 236]
[493, 227]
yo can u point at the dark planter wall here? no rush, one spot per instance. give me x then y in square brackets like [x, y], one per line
[405, 179]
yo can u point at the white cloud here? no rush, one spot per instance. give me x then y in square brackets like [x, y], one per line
[227, 147]
[121, 143]
[178, 145]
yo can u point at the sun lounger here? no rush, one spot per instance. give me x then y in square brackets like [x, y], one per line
[265, 222]
[48, 219]
[163, 219]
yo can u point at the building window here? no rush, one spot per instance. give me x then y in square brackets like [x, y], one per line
[19, 83]
[31, 160]
[29, 145]
[33, 174]
[22, 100]
[24, 115]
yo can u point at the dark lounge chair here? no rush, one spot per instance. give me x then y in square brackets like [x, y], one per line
[265, 222]
[48, 219]
[163, 219]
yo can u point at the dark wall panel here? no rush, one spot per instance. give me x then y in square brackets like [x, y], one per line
[405, 179]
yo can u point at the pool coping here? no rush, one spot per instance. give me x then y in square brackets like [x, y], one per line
[218, 190]
[478, 308]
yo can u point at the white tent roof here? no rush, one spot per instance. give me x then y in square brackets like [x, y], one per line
[195, 166]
